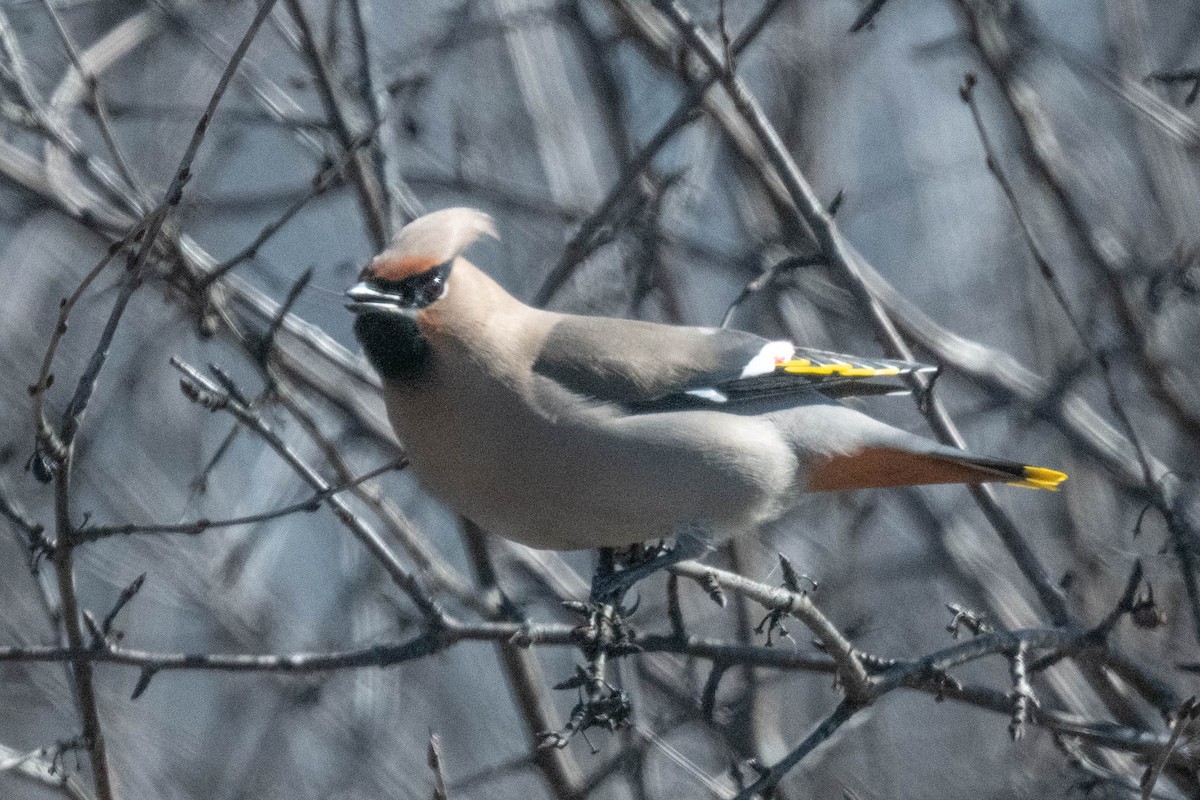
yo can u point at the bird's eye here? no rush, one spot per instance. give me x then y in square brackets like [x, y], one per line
[431, 289]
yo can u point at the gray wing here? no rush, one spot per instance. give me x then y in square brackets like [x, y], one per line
[651, 366]
[831, 374]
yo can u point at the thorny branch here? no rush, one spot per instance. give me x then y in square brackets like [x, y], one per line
[586, 239]
[212, 396]
[863, 677]
[55, 447]
[1110, 261]
[851, 670]
[927, 674]
[93, 533]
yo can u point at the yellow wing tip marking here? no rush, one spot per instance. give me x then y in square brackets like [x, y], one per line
[802, 366]
[1041, 478]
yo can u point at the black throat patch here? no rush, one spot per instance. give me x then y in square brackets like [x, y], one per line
[394, 345]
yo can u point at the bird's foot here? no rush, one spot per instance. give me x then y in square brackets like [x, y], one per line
[610, 584]
[617, 572]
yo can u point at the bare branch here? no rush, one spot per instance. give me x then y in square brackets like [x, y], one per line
[770, 778]
[93, 533]
[402, 205]
[98, 105]
[1187, 714]
[585, 239]
[851, 671]
[204, 391]
[370, 192]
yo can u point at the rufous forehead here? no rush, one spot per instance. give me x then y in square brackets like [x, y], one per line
[391, 267]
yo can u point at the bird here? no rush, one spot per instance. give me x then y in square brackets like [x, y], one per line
[566, 432]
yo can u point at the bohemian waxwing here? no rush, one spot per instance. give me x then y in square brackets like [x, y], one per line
[568, 432]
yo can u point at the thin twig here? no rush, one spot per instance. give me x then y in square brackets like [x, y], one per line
[326, 178]
[369, 190]
[770, 779]
[584, 239]
[95, 533]
[435, 569]
[73, 416]
[1099, 634]
[867, 15]
[14, 72]
[765, 279]
[266, 346]
[524, 674]
[1183, 718]
[98, 107]
[401, 204]
[32, 531]
[1049, 274]
[44, 379]
[851, 671]
[203, 390]
[1108, 261]
[62, 451]
[85, 689]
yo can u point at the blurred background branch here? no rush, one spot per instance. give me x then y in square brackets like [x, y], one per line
[662, 160]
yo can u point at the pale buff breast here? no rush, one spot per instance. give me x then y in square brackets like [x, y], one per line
[549, 471]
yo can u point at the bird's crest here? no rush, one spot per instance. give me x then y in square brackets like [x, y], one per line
[429, 241]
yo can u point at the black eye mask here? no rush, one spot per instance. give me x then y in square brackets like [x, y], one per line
[417, 291]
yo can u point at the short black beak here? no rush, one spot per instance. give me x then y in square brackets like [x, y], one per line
[362, 298]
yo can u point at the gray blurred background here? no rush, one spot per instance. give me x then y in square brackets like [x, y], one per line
[533, 110]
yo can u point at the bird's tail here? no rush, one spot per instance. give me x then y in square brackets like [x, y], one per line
[1014, 474]
[880, 467]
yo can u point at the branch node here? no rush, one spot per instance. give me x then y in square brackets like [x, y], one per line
[143, 682]
[228, 384]
[973, 621]
[1145, 613]
[712, 587]
[202, 397]
[1022, 694]
[127, 594]
[966, 91]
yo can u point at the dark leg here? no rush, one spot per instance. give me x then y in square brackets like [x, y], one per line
[610, 586]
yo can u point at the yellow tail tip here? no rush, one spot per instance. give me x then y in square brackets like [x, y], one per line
[1041, 478]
